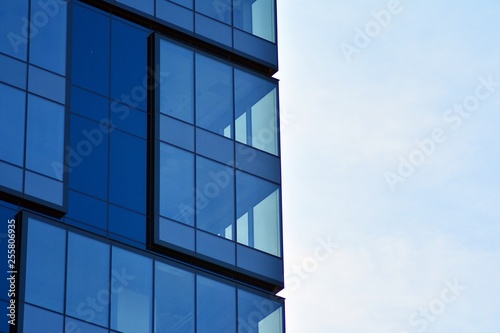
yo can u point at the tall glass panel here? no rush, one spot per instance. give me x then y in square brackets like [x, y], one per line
[177, 184]
[45, 137]
[45, 265]
[131, 292]
[256, 112]
[214, 197]
[12, 118]
[256, 17]
[174, 299]
[218, 9]
[216, 306]
[214, 95]
[87, 290]
[258, 213]
[176, 81]
[13, 38]
[257, 314]
[48, 49]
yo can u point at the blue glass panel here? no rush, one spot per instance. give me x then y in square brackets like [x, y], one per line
[258, 162]
[47, 84]
[87, 158]
[43, 188]
[213, 29]
[87, 289]
[215, 198]
[174, 299]
[127, 223]
[175, 14]
[218, 9]
[256, 111]
[14, 28]
[127, 179]
[129, 47]
[176, 132]
[37, 320]
[77, 326]
[215, 247]
[216, 306]
[256, 17]
[90, 56]
[258, 263]
[177, 81]
[185, 3]
[261, 49]
[12, 118]
[177, 184]
[89, 105]
[258, 213]
[146, 6]
[128, 119]
[12, 176]
[87, 210]
[214, 146]
[48, 46]
[45, 265]
[176, 234]
[214, 95]
[132, 293]
[45, 137]
[13, 71]
[258, 314]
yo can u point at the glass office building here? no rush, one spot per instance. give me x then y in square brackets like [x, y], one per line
[140, 180]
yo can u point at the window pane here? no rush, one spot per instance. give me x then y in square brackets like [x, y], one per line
[45, 137]
[257, 314]
[258, 213]
[45, 265]
[12, 40]
[214, 95]
[256, 112]
[218, 9]
[77, 326]
[87, 295]
[216, 306]
[12, 117]
[174, 299]
[185, 3]
[177, 184]
[146, 6]
[37, 320]
[214, 197]
[44, 188]
[48, 46]
[177, 81]
[256, 17]
[131, 292]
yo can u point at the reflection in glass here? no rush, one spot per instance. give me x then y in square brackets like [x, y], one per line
[214, 197]
[214, 95]
[45, 137]
[131, 292]
[174, 299]
[45, 265]
[216, 306]
[218, 9]
[257, 314]
[177, 81]
[258, 213]
[256, 112]
[256, 17]
[87, 289]
[176, 184]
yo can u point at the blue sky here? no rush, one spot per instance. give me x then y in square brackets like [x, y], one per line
[418, 103]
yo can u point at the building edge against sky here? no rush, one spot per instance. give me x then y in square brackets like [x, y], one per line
[140, 175]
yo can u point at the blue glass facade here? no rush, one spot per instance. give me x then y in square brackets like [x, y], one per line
[140, 165]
